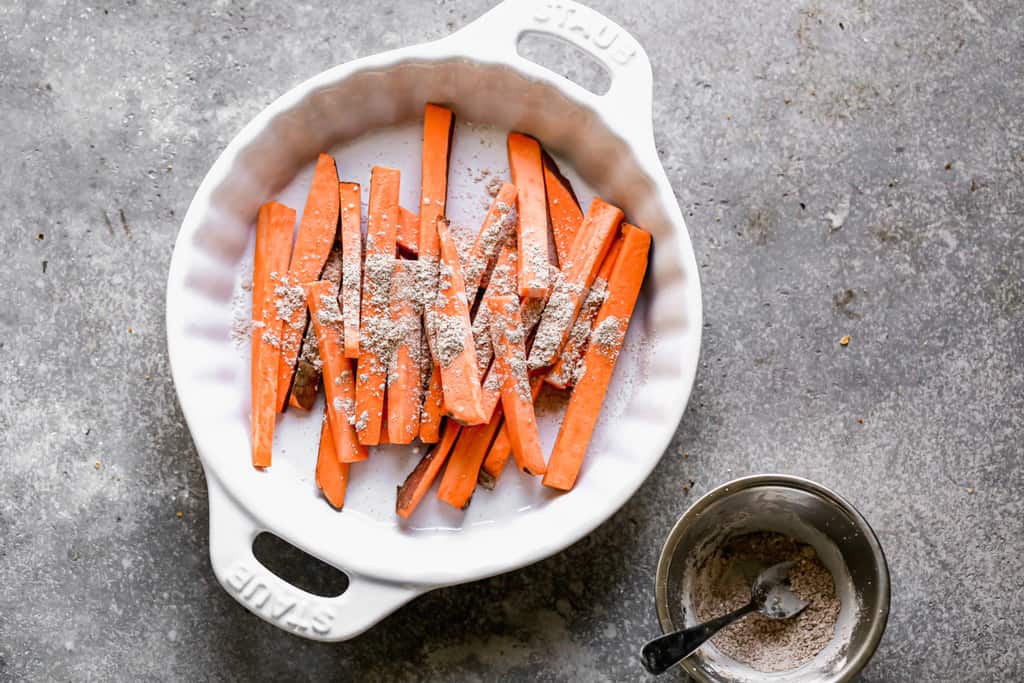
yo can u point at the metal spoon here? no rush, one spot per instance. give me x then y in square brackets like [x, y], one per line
[770, 595]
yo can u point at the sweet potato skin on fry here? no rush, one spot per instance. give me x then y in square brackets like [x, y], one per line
[419, 481]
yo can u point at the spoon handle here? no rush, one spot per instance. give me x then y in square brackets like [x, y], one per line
[661, 654]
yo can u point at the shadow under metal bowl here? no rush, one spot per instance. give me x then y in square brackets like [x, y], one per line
[809, 513]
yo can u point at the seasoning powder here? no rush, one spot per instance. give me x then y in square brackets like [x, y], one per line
[723, 583]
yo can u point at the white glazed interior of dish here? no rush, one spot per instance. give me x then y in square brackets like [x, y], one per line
[616, 157]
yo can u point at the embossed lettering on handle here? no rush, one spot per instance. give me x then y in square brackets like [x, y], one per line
[291, 611]
[583, 25]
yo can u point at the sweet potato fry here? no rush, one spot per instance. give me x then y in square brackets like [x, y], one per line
[599, 360]
[307, 372]
[419, 481]
[374, 337]
[274, 226]
[499, 225]
[501, 449]
[496, 458]
[272, 251]
[408, 232]
[313, 244]
[453, 345]
[564, 209]
[339, 386]
[438, 127]
[508, 339]
[331, 475]
[432, 410]
[404, 392]
[524, 159]
[595, 239]
[460, 476]
[351, 263]
[502, 282]
[384, 436]
[563, 374]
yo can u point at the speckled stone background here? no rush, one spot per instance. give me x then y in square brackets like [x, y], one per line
[850, 167]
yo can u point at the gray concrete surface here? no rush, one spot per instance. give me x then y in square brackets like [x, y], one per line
[853, 167]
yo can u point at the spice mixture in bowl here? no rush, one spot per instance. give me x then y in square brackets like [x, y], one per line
[726, 538]
[723, 582]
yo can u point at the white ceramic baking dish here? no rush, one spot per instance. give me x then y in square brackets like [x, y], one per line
[608, 140]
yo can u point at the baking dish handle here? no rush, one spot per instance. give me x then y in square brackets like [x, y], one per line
[628, 102]
[365, 602]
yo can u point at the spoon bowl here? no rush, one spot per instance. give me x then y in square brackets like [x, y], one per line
[772, 595]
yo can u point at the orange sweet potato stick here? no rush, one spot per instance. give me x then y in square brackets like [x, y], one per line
[599, 360]
[498, 227]
[273, 248]
[384, 436]
[307, 372]
[530, 310]
[408, 232]
[500, 285]
[374, 337]
[564, 209]
[312, 246]
[274, 227]
[337, 370]
[432, 411]
[563, 374]
[404, 392]
[502, 282]
[438, 128]
[492, 391]
[419, 481]
[501, 449]
[595, 239]
[460, 476]
[508, 339]
[524, 159]
[331, 475]
[496, 459]
[351, 263]
[491, 384]
[453, 345]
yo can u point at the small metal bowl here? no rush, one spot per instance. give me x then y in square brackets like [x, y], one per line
[810, 513]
